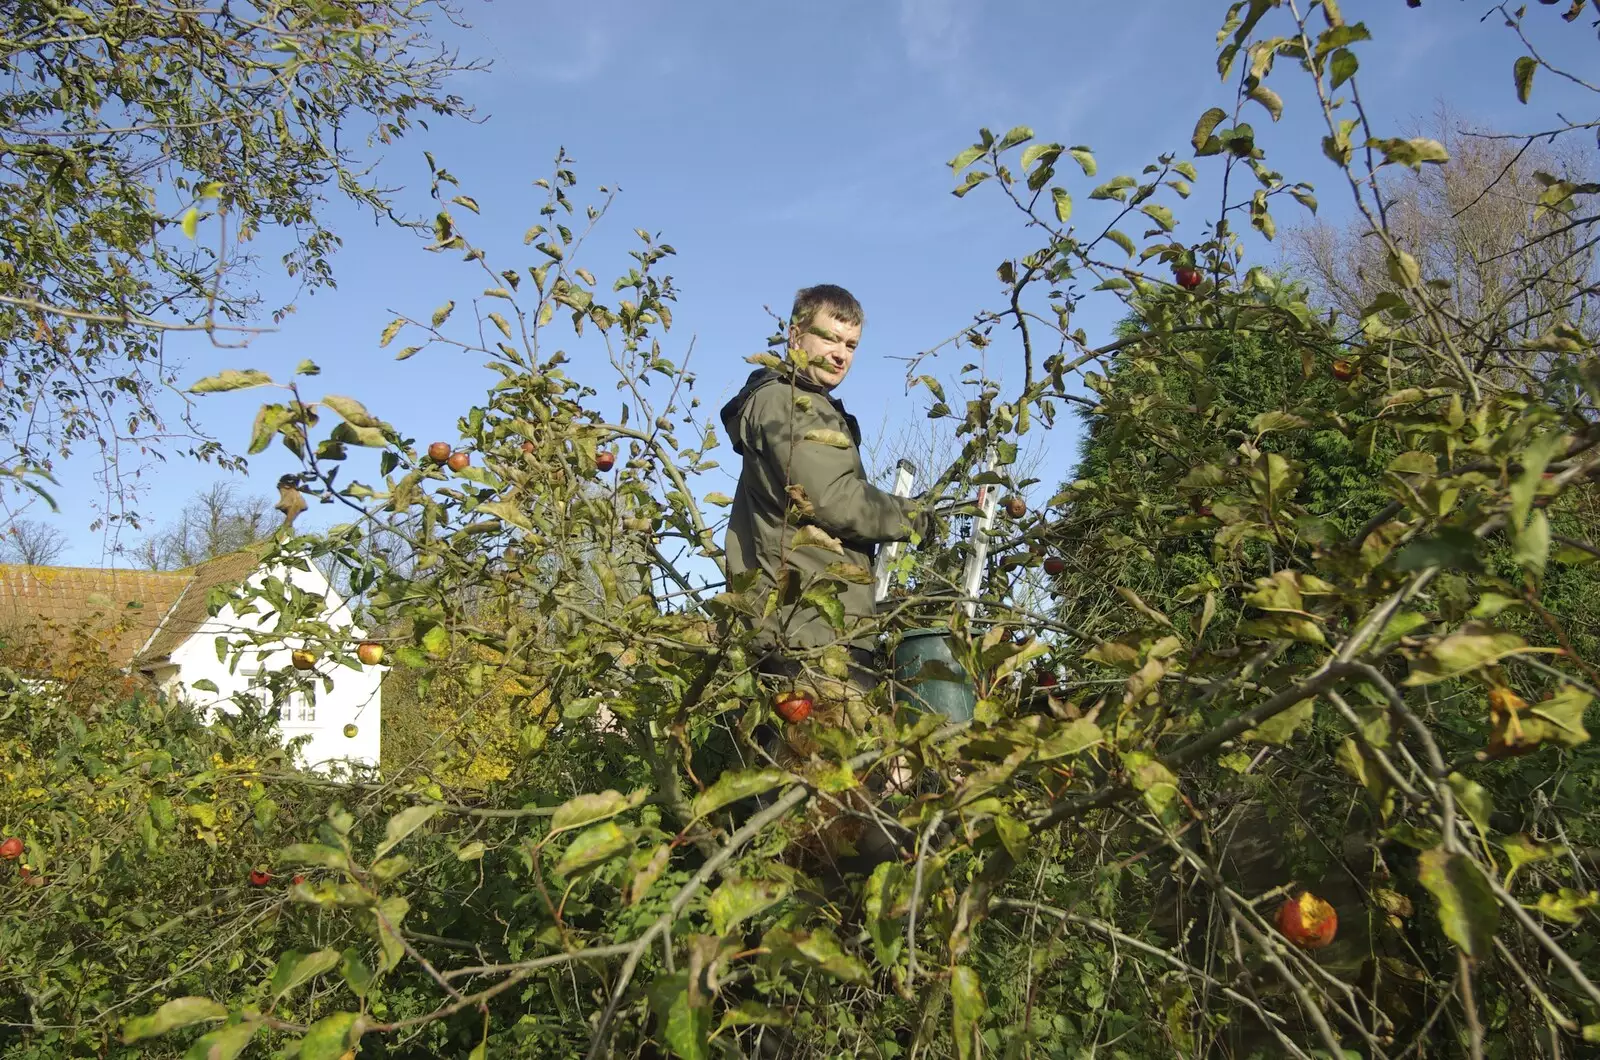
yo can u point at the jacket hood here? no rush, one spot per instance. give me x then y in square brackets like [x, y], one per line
[734, 409]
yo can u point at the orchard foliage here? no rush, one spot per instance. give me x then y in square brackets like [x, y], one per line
[1322, 629]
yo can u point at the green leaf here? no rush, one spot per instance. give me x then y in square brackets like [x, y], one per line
[593, 846]
[966, 995]
[647, 867]
[1268, 99]
[179, 1012]
[1121, 239]
[442, 314]
[1020, 134]
[1204, 127]
[1414, 152]
[1156, 783]
[351, 411]
[1276, 420]
[736, 901]
[720, 500]
[328, 1038]
[356, 973]
[821, 948]
[1063, 204]
[391, 331]
[688, 1024]
[205, 684]
[1468, 649]
[313, 854]
[387, 916]
[813, 536]
[731, 787]
[403, 824]
[295, 969]
[965, 158]
[1522, 72]
[1475, 799]
[1404, 270]
[1452, 548]
[466, 200]
[224, 1043]
[1566, 906]
[1342, 66]
[231, 379]
[587, 809]
[1558, 719]
[1468, 910]
[1280, 728]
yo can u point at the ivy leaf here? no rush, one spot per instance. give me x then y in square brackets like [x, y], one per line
[179, 1012]
[1468, 910]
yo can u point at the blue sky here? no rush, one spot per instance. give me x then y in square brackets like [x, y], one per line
[780, 145]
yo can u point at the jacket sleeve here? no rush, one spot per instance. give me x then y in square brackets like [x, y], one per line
[798, 446]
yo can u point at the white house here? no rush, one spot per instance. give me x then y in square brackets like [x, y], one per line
[158, 624]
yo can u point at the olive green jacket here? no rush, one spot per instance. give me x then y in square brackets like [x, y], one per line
[802, 466]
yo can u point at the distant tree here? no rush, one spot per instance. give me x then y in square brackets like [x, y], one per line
[31, 542]
[216, 522]
[149, 155]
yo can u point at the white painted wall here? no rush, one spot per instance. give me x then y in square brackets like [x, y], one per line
[354, 699]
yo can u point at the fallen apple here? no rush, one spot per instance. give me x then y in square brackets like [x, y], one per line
[260, 877]
[1308, 921]
[794, 707]
[370, 652]
[605, 460]
[439, 452]
[298, 878]
[11, 848]
[459, 460]
[302, 659]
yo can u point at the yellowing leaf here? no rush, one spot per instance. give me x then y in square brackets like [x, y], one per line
[1468, 910]
[812, 536]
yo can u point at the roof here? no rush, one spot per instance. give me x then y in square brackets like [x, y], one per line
[146, 614]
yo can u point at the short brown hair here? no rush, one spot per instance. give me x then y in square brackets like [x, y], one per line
[809, 301]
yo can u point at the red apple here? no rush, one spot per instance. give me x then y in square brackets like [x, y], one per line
[11, 848]
[527, 448]
[439, 452]
[260, 877]
[605, 460]
[370, 652]
[1343, 370]
[1188, 277]
[1045, 678]
[794, 707]
[298, 878]
[1308, 921]
[459, 459]
[1054, 565]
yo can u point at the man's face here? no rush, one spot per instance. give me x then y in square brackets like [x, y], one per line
[830, 345]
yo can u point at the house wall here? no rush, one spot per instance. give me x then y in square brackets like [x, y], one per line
[354, 698]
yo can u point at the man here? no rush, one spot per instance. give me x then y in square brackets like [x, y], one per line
[802, 466]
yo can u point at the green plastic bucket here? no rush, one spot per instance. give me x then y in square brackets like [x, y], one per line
[955, 699]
